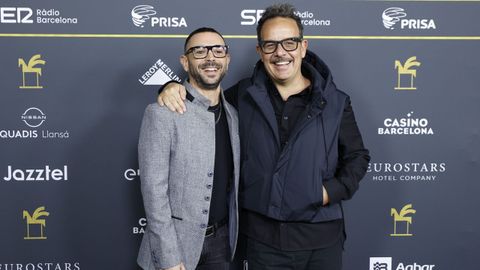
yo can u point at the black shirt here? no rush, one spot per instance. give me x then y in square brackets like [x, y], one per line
[223, 171]
[290, 236]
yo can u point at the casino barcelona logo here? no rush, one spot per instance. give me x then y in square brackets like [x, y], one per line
[406, 73]
[36, 220]
[404, 216]
[32, 69]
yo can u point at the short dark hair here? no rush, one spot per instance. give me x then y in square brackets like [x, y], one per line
[198, 31]
[279, 10]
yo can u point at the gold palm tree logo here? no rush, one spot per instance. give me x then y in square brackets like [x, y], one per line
[35, 220]
[31, 67]
[407, 69]
[402, 217]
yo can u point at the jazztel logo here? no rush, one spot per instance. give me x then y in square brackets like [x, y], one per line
[143, 14]
[158, 74]
[252, 16]
[391, 16]
[408, 71]
[31, 68]
[44, 174]
[403, 216]
[35, 219]
[385, 263]
[24, 15]
[405, 126]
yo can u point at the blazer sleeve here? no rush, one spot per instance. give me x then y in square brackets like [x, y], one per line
[353, 159]
[153, 156]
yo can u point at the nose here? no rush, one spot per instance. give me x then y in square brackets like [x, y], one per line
[210, 55]
[280, 50]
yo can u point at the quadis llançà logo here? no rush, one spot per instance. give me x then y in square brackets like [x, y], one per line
[34, 119]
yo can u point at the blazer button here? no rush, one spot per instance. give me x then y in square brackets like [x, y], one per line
[205, 211]
[209, 186]
[207, 198]
[210, 174]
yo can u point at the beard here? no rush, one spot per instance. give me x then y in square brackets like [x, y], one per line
[202, 80]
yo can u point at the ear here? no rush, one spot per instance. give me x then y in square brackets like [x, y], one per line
[304, 47]
[259, 52]
[228, 62]
[184, 62]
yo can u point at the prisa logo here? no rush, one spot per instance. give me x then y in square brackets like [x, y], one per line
[391, 16]
[143, 14]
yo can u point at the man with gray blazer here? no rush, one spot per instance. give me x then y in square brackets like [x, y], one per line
[190, 168]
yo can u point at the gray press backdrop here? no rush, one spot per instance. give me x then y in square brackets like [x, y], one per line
[76, 76]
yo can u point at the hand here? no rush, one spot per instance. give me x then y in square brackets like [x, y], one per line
[173, 96]
[326, 200]
[176, 267]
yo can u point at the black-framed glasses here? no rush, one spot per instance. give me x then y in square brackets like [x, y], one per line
[200, 52]
[288, 44]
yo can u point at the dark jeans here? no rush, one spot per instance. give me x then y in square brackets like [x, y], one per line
[216, 251]
[263, 257]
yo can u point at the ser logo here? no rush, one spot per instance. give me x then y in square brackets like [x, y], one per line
[16, 15]
[251, 16]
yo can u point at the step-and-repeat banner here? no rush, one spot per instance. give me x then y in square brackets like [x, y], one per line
[75, 77]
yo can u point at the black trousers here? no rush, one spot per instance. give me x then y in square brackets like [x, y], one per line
[262, 257]
[216, 251]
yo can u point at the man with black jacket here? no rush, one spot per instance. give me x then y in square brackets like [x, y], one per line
[301, 151]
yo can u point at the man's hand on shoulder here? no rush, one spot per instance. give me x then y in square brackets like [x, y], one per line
[173, 97]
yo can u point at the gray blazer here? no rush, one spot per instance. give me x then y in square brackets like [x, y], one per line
[176, 157]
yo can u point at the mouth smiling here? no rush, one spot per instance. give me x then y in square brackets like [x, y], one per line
[281, 63]
[210, 67]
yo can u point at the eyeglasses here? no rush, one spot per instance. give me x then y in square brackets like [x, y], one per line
[200, 52]
[288, 44]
